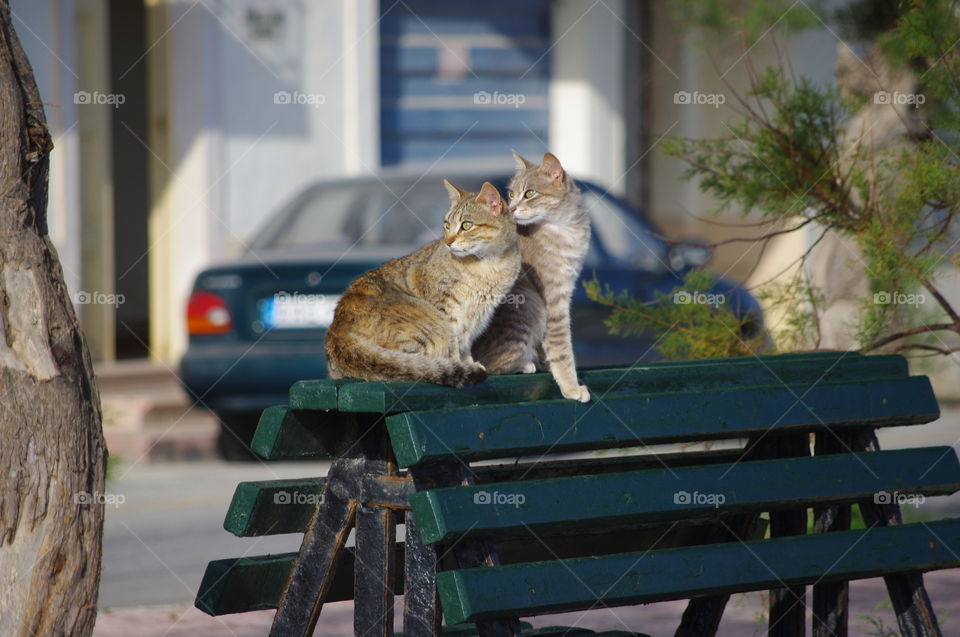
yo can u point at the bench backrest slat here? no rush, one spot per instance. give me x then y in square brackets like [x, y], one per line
[379, 397]
[634, 578]
[557, 426]
[595, 502]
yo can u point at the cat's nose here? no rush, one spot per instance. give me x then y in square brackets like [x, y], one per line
[449, 241]
[513, 209]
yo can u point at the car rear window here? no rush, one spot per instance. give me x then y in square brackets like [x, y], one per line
[360, 214]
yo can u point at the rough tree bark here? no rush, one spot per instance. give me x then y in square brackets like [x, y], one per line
[52, 454]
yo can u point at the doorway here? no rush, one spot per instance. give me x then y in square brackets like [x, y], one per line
[131, 201]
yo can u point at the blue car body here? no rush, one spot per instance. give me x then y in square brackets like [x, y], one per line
[252, 366]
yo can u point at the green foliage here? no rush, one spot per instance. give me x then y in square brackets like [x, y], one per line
[780, 165]
[750, 19]
[688, 322]
[114, 462]
[789, 159]
[925, 38]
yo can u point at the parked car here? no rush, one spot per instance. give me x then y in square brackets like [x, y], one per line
[257, 324]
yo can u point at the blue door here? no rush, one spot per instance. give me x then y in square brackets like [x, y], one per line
[463, 79]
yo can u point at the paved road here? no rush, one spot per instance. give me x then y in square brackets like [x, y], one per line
[158, 541]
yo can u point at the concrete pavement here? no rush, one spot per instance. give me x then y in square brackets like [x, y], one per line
[745, 616]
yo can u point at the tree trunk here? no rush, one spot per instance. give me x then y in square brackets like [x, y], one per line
[52, 454]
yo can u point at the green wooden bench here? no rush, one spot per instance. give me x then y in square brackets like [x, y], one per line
[517, 503]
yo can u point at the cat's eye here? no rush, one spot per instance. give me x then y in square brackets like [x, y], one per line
[466, 225]
[530, 194]
[509, 194]
[446, 225]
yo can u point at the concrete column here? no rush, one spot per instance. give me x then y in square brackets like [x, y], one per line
[587, 129]
[96, 180]
[361, 86]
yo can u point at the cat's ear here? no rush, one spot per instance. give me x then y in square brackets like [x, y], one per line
[490, 197]
[455, 193]
[551, 168]
[522, 162]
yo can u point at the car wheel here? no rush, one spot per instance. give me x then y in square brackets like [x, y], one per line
[236, 434]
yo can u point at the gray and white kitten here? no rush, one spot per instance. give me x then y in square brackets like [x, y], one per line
[554, 232]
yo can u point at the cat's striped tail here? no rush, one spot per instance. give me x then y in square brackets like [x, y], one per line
[355, 357]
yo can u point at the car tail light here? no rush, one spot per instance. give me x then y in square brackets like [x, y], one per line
[207, 313]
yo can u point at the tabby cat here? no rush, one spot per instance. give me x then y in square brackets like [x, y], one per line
[415, 318]
[554, 232]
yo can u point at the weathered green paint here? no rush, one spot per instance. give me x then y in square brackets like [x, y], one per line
[383, 397]
[633, 578]
[558, 426]
[241, 584]
[317, 394]
[286, 434]
[596, 502]
[272, 507]
[510, 416]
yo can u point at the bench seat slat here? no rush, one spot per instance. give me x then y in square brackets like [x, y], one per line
[241, 584]
[634, 578]
[320, 394]
[238, 585]
[597, 501]
[284, 434]
[272, 507]
[558, 426]
[380, 397]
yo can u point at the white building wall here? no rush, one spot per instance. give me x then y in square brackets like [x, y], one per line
[324, 56]
[586, 90]
[47, 32]
[239, 152]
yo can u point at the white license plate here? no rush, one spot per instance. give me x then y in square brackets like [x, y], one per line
[298, 311]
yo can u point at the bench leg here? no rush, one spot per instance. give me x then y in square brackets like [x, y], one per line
[914, 611]
[788, 606]
[312, 576]
[374, 572]
[421, 605]
[702, 616]
[468, 553]
[831, 599]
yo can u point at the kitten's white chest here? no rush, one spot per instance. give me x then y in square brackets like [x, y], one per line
[479, 304]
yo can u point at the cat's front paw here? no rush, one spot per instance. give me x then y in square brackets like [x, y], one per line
[529, 368]
[580, 393]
